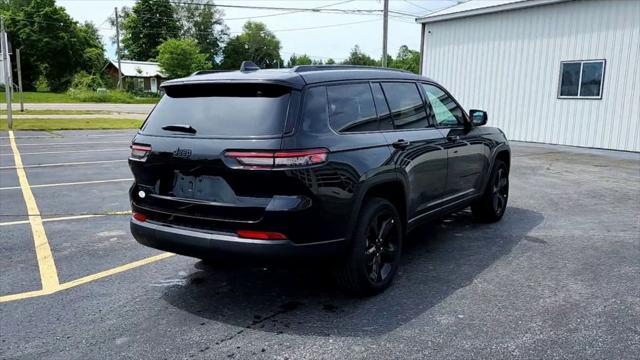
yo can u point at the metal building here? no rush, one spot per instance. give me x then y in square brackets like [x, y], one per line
[550, 71]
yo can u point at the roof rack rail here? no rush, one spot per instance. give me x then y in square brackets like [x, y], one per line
[204, 72]
[305, 68]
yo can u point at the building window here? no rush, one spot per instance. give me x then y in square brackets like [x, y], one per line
[138, 84]
[581, 79]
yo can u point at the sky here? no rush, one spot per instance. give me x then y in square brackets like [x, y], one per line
[320, 43]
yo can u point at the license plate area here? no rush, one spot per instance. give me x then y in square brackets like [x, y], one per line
[203, 187]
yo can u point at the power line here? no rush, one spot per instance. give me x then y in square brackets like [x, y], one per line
[320, 9]
[276, 30]
[287, 12]
[416, 5]
[321, 26]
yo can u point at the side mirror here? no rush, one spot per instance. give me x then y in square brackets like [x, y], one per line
[478, 117]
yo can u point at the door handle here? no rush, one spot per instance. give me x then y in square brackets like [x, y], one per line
[453, 138]
[401, 144]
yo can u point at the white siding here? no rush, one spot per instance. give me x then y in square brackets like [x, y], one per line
[508, 64]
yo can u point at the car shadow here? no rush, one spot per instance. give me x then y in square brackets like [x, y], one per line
[438, 259]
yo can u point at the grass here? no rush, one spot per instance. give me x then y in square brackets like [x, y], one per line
[39, 97]
[16, 111]
[71, 124]
[110, 96]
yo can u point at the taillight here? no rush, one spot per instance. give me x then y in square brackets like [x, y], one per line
[139, 152]
[265, 160]
[261, 235]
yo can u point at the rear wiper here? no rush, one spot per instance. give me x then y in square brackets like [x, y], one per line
[180, 127]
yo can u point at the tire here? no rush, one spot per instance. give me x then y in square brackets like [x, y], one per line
[493, 203]
[375, 250]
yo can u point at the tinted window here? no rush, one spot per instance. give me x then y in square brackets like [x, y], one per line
[445, 110]
[386, 123]
[407, 108]
[351, 108]
[570, 79]
[314, 114]
[591, 78]
[229, 110]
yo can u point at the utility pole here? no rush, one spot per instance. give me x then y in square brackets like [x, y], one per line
[385, 32]
[6, 67]
[118, 49]
[19, 79]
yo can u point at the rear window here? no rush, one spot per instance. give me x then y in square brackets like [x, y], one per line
[221, 110]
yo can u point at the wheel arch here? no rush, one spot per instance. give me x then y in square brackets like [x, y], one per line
[501, 152]
[386, 186]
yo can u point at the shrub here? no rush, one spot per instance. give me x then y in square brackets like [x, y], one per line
[84, 81]
[105, 96]
[42, 84]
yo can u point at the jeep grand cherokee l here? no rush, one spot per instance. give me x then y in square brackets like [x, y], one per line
[333, 163]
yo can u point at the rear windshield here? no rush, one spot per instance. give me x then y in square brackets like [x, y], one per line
[220, 110]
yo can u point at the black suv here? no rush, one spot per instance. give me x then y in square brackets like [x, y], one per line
[332, 163]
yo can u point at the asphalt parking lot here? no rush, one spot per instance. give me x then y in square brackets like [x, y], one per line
[558, 277]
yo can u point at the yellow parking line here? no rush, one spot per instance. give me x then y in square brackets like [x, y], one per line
[24, 295]
[85, 279]
[115, 270]
[45, 144]
[58, 164]
[69, 183]
[70, 151]
[71, 217]
[48, 271]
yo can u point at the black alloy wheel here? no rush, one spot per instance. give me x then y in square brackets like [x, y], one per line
[375, 249]
[500, 190]
[382, 246]
[491, 206]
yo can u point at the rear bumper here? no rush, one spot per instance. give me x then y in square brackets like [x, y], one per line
[209, 244]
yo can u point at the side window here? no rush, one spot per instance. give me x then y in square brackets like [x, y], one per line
[407, 108]
[351, 108]
[314, 114]
[386, 123]
[445, 110]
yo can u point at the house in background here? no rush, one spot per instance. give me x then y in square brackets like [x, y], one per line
[137, 75]
[548, 71]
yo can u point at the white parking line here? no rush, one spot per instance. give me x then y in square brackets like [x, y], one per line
[68, 183]
[73, 143]
[68, 151]
[60, 164]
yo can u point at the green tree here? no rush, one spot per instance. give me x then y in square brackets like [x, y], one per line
[330, 61]
[147, 25]
[407, 59]
[390, 61]
[6, 5]
[181, 57]
[93, 59]
[52, 44]
[202, 21]
[357, 57]
[303, 59]
[256, 43]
